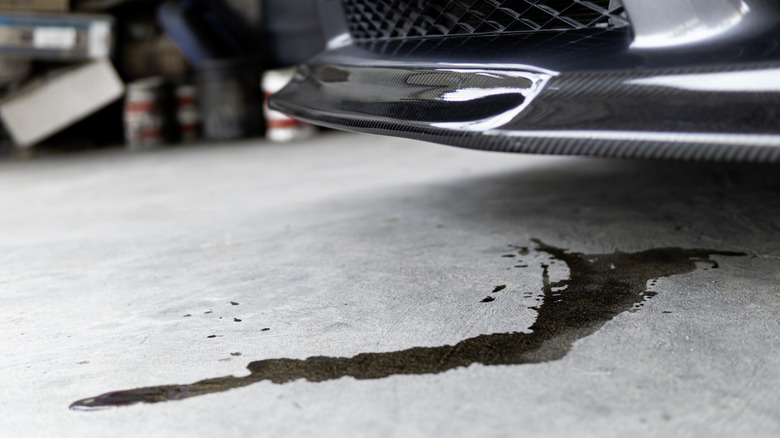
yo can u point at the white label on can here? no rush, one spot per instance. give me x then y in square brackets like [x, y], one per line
[54, 38]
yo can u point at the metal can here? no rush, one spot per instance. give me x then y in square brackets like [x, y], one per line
[187, 112]
[144, 114]
[280, 127]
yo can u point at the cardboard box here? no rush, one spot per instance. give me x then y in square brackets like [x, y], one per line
[58, 100]
[56, 36]
[35, 5]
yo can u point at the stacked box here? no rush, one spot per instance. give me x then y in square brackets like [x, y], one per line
[32, 109]
[56, 36]
[59, 99]
[35, 5]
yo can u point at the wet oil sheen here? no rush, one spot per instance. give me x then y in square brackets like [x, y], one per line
[599, 287]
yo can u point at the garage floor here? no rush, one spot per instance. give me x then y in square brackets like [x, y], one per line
[365, 286]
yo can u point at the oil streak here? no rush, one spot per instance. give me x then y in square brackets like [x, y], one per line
[600, 287]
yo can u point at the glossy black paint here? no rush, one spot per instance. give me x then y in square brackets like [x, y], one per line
[564, 51]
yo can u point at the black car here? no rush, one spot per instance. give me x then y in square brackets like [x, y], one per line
[684, 79]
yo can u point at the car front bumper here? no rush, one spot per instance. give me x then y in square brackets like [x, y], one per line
[575, 93]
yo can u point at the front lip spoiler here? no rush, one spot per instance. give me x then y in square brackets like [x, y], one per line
[706, 113]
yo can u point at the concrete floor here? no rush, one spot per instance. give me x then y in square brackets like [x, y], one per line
[350, 244]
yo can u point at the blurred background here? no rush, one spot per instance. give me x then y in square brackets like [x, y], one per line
[84, 74]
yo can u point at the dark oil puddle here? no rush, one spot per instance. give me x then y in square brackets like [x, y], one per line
[599, 287]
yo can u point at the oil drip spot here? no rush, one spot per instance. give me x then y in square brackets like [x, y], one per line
[599, 287]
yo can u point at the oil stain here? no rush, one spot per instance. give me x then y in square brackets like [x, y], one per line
[599, 287]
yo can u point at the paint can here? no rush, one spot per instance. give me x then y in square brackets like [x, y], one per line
[281, 127]
[144, 114]
[187, 112]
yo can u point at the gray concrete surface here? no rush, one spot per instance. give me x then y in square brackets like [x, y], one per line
[350, 244]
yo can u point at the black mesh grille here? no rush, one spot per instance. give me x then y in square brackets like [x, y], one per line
[384, 19]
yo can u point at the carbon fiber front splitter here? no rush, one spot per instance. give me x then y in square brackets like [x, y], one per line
[709, 113]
